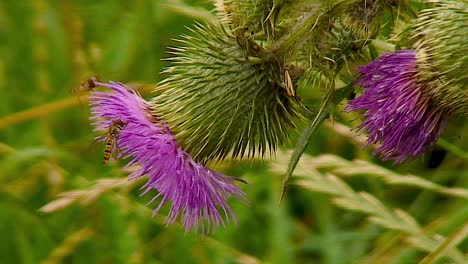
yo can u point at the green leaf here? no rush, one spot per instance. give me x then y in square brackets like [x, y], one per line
[332, 98]
[456, 150]
[448, 244]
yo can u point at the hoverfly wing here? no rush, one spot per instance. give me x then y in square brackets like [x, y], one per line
[288, 84]
[116, 150]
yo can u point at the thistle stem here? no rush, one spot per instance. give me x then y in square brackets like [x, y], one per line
[383, 45]
[299, 34]
[303, 30]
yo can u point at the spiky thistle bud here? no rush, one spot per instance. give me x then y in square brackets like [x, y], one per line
[218, 101]
[440, 35]
[364, 17]
[243, 14]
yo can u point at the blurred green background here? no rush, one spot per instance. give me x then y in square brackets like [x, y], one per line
[47, 48]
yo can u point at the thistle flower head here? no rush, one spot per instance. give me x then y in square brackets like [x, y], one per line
[397, 114]
[197, 193]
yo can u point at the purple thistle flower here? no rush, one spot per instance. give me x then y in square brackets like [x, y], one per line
[197, 193]
[397, 113]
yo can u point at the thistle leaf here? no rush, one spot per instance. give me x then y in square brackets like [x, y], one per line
[219, 103]
[332, 98]
[303, 141]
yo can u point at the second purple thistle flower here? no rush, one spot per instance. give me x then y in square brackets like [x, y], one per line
[196, 192]
[397, 113]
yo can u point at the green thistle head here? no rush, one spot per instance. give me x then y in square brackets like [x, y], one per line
[243, 14]
[218, 102]
[365, 17]
[442, 53]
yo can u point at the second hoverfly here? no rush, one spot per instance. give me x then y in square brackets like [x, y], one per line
[86, 85]
[112, 137]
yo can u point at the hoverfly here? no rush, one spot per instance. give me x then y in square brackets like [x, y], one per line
[86, 85]
[112, 136]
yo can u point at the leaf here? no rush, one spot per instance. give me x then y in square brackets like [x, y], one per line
[331, 99]
[456, 150]
[448, 244]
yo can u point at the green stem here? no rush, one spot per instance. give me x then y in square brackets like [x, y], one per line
[452, 148]
[303, 30]
[299, 34]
